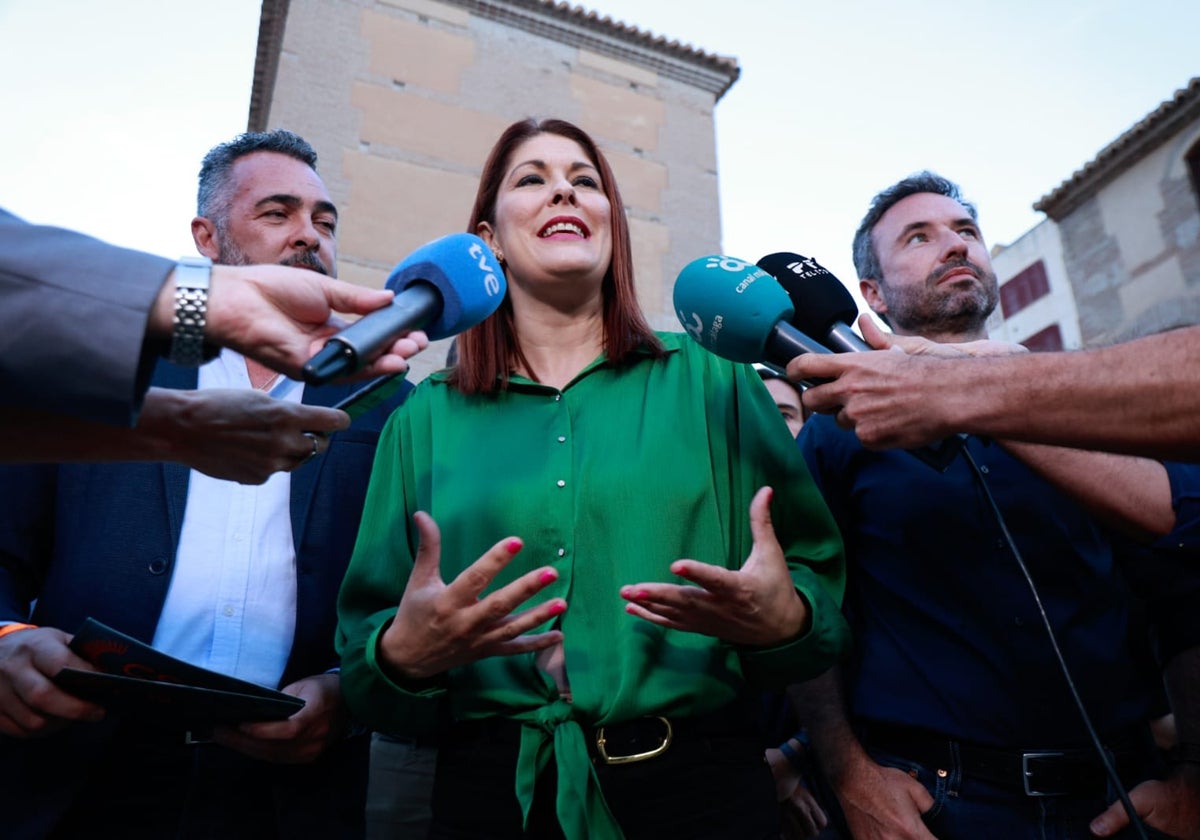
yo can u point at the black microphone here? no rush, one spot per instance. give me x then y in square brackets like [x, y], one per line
[444, 287]
[824, 308]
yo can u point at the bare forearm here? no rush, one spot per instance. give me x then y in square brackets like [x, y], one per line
[1133, 494]
[1142, 397]
[237, 434]
[820, 704]
[38, 437]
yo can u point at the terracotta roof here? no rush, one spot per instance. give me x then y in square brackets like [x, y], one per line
[1123, 152]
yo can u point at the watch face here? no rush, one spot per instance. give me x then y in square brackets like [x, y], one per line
[193, 272]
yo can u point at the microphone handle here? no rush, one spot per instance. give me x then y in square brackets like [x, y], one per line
[786, 343]
[345, 352]
[841, 339]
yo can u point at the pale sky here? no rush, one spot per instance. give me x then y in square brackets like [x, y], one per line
[107, 106]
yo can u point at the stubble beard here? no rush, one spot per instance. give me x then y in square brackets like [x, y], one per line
[961, 309]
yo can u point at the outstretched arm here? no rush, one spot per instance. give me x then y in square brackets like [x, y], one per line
[1141, 398]
[236, 434]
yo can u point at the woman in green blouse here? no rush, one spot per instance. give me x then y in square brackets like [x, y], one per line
[576, 523]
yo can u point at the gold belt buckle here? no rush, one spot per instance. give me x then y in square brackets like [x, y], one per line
[642, 756]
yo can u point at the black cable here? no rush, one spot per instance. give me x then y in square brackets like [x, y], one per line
[1134, 820]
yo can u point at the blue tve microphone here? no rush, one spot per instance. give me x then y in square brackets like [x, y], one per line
[737, 311]
[825, 308]
[443, 287]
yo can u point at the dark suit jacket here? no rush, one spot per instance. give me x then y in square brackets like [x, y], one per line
[100, 539]
[73, 314]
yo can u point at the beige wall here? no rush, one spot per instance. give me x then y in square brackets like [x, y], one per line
[1132, 250]
[403, 99]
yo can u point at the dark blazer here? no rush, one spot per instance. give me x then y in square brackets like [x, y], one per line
[100, 539]
[72, 321]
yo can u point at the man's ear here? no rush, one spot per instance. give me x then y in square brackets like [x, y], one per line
[204, 234]
[869, 288]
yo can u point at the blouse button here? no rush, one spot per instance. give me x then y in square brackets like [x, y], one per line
[562, 483]
[562, 438]
[562, 552]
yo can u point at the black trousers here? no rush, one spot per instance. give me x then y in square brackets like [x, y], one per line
[704, 786]
[161, 788]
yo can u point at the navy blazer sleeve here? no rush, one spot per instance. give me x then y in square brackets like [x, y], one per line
[73, 315]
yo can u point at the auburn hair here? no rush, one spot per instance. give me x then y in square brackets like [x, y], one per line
[488, 352]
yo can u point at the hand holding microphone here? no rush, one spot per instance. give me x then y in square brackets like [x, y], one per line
[824, 307]
[739, 312]
[443, 287]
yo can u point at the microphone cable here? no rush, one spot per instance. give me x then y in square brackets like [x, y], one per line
[1135, 821]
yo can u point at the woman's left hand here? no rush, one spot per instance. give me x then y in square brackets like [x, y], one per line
[756, 605]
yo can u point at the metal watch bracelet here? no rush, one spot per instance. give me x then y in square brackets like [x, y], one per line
[192, 275]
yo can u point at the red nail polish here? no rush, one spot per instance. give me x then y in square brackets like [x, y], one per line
[548, 576]
[514, 545]
[558, 609]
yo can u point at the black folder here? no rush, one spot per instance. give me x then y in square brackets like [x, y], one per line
[134, 679]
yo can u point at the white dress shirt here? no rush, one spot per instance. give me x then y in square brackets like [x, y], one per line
[231, 605]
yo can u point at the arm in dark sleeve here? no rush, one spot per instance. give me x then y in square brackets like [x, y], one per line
[73, 322]
[1166, 573]
[26, 535]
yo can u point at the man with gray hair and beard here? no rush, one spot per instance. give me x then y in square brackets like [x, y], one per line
[951, 717]
[238, 579]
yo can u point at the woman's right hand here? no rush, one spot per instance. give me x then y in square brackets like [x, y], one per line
[439, 626]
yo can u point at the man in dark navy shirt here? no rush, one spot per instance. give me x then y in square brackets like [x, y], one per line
[957, 721]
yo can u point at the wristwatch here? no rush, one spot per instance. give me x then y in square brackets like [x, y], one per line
[191, 311]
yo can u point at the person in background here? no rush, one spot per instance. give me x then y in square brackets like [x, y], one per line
[786, 394]
[238, 579]
[568, 540]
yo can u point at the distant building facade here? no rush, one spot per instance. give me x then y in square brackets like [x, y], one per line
[403, 99]
[1119, 254]
[1037, 305]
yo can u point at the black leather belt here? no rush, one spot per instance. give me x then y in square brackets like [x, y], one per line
[1034, 772]
[630, 741]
